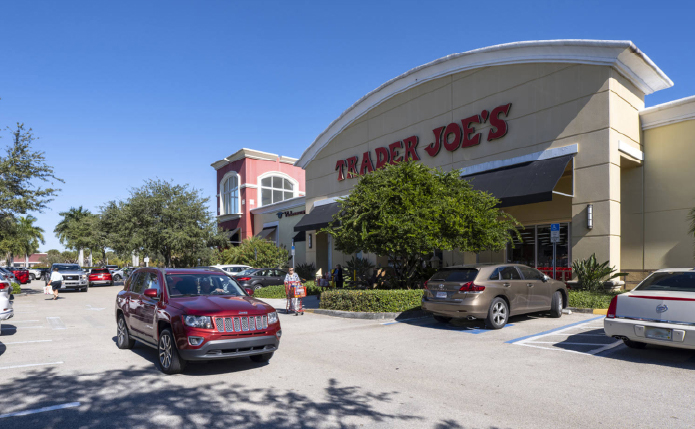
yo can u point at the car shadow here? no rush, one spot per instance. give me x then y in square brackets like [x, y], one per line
[463, 325]
[653, 355]
[7, 329]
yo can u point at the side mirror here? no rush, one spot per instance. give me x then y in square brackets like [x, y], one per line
[151, 293]
[249, 291]
[545, 278]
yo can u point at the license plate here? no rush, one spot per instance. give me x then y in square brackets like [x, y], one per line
[658, 333]
[441, 294]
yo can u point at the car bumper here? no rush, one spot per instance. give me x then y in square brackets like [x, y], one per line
[232, 348]
[74, 284]
[683, 336]
[469, 307]
[100, 282]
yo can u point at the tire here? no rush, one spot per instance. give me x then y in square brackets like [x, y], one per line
[556, 305]
[634, 344]
[111, 284]
[85, 289]
[265, 357]
[123, 340]
[90, 285]
[170, 361]
[256, 286]
[498, 314]
[442, 319]
[117, 278]
[32, 277]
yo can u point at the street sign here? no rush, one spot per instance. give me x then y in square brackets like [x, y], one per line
[146, 259]
[554, 232]
[292, 250]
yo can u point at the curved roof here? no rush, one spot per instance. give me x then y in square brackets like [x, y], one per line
[622, 55]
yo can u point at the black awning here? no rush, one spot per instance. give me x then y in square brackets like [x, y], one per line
[301, 236]
[319, 217]
[527, 183]
[266, 232]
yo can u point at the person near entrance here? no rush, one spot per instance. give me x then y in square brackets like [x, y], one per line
[338, 276]
[293, 279]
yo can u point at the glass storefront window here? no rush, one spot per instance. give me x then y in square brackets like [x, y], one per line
[536, 250]
[523, 252]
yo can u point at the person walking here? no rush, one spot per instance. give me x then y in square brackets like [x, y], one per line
[338, 276]
[292, 277]
[55, 281]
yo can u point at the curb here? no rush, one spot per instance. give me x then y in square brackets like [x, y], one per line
[601, 311]
[367, 315]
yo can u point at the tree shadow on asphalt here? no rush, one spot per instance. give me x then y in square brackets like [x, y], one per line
[136, 397]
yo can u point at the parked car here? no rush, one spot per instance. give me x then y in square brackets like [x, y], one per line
[256, 278]
[118, 275]
[660, 310]
[36, 273]
[194, 315]
[232, 268]
[112, 268]
[9, 275]
[21, 274]
[100, 276]
[6, 297]
[492, 292]
[74, 277]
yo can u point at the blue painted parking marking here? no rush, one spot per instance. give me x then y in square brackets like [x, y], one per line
[553, 330]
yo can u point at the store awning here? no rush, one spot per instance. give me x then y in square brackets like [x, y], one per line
[266, 232]
[527, 183]
[301, 236]
[318, 218]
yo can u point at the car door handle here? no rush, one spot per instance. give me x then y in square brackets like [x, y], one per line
[506, 284]
[529, 284]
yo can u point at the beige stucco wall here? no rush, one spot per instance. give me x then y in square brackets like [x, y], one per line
[553, 105]
[285, 231]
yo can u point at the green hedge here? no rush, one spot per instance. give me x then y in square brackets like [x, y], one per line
[377, 301]
[586, 299]
[278, 292]
[16, 288]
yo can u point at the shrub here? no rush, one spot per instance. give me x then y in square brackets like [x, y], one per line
[256, 252]
[378, 301]
[592, 275]
[16, 288]
[360, 269]
[306, 271]
[278, 292]
[588, 299]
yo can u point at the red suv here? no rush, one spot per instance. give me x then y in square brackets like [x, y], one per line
[100, 276]
[194, 315]
[21, 274]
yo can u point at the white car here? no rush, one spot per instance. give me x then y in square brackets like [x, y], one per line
[117, 275]
[660, 310]
[6, 311]
[232, 269]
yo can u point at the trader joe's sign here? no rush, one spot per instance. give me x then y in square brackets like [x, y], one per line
[450, 137]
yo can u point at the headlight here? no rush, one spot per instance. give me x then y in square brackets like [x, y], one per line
[84, 276]
[198, 321]
[273, 317]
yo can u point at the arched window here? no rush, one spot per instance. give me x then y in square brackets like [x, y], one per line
[275, 189]
[230, 195]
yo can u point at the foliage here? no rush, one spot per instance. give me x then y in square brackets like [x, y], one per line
[588, 299]
[592, 275]
[278, 291]
[379, 301]
[21, 168]
[256, 252]
[406, 210]
[360, 269]
[16, 288]
[306, 271]
[19, 236]
[74, 230]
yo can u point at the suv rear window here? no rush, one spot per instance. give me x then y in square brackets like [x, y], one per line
[456, 275]
[99, 271]
[673, 282]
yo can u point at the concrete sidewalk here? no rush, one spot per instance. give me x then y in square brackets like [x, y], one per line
[310, 302]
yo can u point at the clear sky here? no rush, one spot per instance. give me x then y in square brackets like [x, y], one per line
[122, 91]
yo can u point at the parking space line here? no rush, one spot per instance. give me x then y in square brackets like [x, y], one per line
[606, 347]
[40, 410]
[30, 364]
[24, 321]
[583, 335]
[27, 342]
[564, 343]
[14, 328]
[562, 328]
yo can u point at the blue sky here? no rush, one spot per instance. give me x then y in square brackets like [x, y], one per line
[123, 91]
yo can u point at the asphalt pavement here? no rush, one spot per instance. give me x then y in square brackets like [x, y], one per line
[60, 368]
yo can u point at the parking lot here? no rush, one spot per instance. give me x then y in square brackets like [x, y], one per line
[60, 367]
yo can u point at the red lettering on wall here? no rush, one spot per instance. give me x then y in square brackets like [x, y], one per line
[340, 165]
[433, 148]
[468, 130]
[500, 125]
[452, 128]
[366, 166]
[410, 148]
[352, 167]
[382, 157]
[393, 152]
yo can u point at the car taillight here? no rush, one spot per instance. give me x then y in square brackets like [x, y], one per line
[243, 279]
[426, 283]
[610, 314]
[3, 286]
[471, 287]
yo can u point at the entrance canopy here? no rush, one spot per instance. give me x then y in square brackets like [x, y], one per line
[300, 236]
[318, 218]
[265, 233]
[527, 183]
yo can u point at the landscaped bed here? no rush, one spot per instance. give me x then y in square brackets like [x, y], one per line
[278, 292]
[375, 301]
[587, 299]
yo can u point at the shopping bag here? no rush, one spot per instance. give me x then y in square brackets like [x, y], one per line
[299, 291]
[47, 290]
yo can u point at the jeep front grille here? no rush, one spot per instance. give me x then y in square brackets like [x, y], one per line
[241, 324]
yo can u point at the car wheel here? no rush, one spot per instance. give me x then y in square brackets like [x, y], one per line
[556, 305]
[634, 344]
[442, 319]
[123, 340]
[498, 314]
[117, 278]
[257, 286]
[111, 283]
[85, 289]
[265, 357]
[170, 361]
[32, 277]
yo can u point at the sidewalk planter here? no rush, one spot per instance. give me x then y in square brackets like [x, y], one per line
[375, 301]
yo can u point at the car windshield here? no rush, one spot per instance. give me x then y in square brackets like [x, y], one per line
[99, 271]
[673, 282]
[67, 267]
[247, 272]
[455, 275]
[202, 284]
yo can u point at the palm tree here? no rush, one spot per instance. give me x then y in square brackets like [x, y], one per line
[74, 230]
[23, 238]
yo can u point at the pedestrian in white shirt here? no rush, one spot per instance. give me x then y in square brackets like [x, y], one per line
[294, 302]
[55, 282]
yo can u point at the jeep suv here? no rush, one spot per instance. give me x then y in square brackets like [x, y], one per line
[194, 315]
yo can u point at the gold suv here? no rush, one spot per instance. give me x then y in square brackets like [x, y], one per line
[492, 292]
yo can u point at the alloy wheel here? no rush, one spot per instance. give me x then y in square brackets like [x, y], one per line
[121, 331]
[499, 313]
[165, 351]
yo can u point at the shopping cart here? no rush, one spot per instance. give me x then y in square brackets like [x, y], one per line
[295, 290]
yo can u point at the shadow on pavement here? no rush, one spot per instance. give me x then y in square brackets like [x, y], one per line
[653, 355]
[130, 398]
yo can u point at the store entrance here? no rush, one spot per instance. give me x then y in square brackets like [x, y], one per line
[535, 250]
